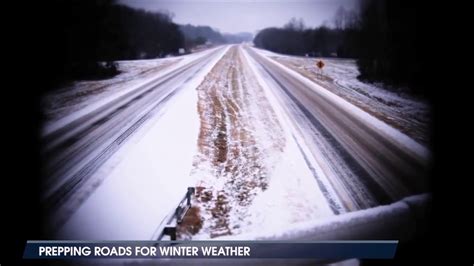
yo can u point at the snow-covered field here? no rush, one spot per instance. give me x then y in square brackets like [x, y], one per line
[409, 114]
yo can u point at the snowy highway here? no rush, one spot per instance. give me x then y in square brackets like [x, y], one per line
[76, 148]
[264, 146]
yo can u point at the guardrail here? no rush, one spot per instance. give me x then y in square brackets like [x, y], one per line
[403, 220]
[169, 224]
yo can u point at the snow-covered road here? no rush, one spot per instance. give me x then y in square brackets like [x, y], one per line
[265, 147]
[367, 161]
[82, 149]
[393, 105]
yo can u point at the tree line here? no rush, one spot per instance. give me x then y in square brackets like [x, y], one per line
[84, 37]
[390, 50]
[198, 35]
[295, 39]
[380, 34]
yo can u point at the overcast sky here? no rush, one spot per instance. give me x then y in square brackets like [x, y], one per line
[234, 16]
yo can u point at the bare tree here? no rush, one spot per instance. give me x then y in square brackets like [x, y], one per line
[340, 18]
[295, 24]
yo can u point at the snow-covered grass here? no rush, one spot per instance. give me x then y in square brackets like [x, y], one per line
[395, 106]
[144, 181]
[249, 172]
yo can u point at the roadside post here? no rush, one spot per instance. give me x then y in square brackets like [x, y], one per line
[320, 65]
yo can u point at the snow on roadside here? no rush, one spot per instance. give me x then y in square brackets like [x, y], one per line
[147, 177]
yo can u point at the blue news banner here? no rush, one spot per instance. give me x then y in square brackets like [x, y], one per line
[380, 249]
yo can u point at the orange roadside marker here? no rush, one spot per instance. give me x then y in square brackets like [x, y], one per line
[320, 64]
